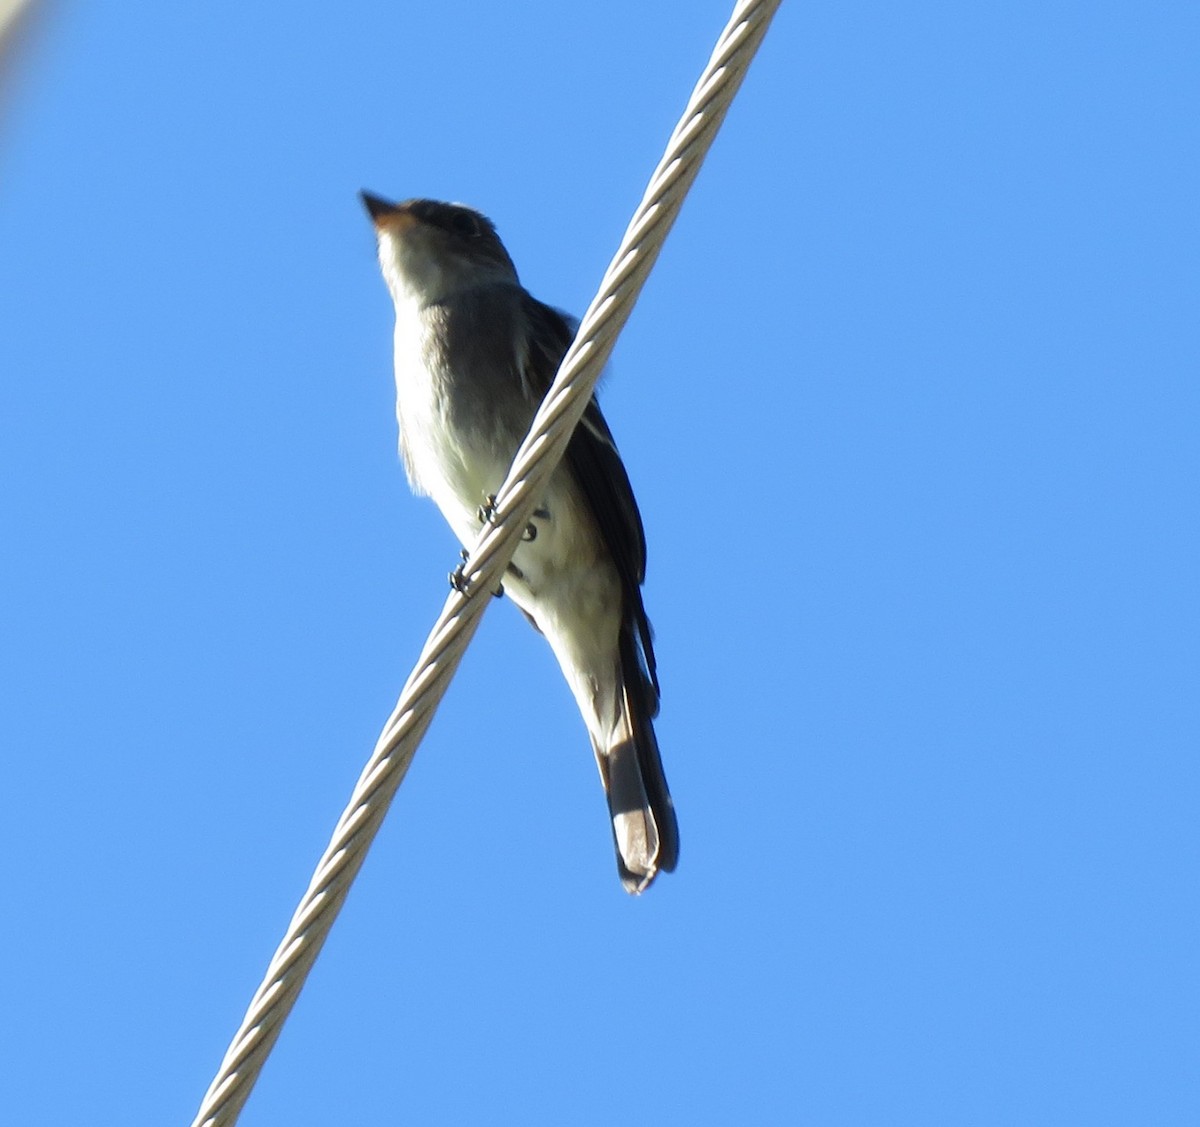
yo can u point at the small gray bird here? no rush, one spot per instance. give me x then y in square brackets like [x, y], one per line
[475, 355]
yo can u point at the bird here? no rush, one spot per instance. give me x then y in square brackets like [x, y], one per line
[474, 355]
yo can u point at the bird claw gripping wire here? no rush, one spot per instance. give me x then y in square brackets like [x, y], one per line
[487, 511]
[460, 582]
[458, 577]
[486, 514]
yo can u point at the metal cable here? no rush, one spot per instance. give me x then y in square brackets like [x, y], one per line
[535, 461]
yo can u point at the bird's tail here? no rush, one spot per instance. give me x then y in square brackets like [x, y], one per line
[645, 832]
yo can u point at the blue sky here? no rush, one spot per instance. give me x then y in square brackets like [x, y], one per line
[910, 405]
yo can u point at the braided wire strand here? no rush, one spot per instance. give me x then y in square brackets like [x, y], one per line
[528, 477]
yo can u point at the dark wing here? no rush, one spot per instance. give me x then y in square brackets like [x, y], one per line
[593, 459]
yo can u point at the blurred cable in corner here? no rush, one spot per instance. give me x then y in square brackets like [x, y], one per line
[10, 21]
[15, 28]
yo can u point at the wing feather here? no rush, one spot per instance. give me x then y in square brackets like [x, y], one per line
[597, 467]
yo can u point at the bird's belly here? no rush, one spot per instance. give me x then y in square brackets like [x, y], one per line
[459, 477]
[561, 567]
[570, 590]
[561, 572]
[455, 466]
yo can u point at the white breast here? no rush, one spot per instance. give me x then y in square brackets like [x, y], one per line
[439, 460]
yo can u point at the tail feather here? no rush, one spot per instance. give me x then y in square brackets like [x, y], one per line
[645, 831]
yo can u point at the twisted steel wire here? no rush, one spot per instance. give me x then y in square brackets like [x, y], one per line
[532, 467]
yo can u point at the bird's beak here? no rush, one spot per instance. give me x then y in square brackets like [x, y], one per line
[379, 209]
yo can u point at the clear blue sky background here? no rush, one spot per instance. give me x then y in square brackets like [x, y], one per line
[911, 408]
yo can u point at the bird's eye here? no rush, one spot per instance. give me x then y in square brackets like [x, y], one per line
[464, 223]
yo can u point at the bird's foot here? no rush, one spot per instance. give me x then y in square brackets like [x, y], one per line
[460, 582]
[487, 511]
[531, 531]
[458, 577]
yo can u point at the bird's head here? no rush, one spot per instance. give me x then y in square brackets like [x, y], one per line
[430, 250]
